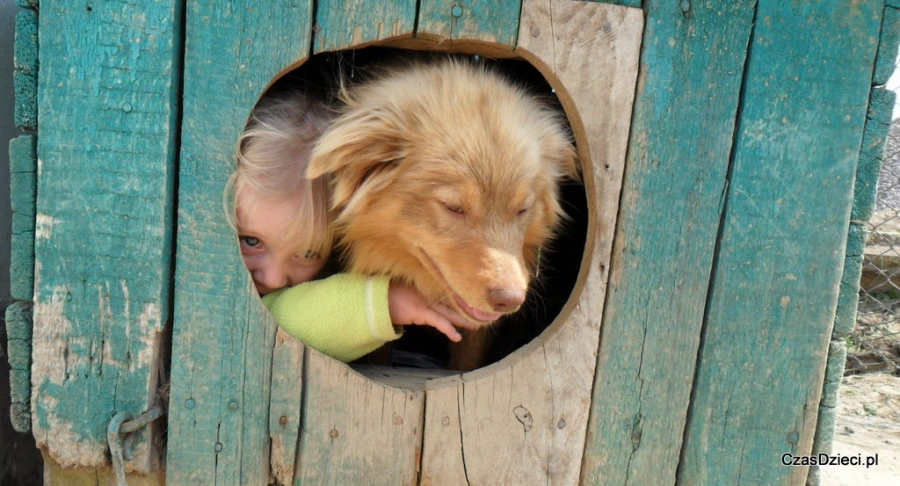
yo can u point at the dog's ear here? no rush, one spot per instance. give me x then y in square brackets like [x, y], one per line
[560, 152]
[357, 148]
[567, 162]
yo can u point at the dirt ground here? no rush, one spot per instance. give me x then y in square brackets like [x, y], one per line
[868, 423]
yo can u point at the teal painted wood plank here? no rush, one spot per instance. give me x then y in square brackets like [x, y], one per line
[886, 60]
[827, 413]
[342, 24]
[23, 193]
[18, 334]
[848, 294]
[624, 3]
[681, 132]
[871, 154]
[104, 213]
[834, 373]
[222, 336]
[32, 4]
[25, 69]
[493, 21]
[772, 304]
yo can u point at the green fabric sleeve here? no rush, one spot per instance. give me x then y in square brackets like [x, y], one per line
[345, 316]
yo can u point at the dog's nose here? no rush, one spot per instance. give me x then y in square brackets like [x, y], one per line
[506, 300]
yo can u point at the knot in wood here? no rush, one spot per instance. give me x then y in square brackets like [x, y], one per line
[524, 417]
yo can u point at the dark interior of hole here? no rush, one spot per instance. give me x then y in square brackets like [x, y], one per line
[422, 347]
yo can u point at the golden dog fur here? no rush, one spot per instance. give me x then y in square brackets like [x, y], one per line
[445, 176]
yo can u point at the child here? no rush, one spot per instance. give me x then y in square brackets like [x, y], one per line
[281, 219]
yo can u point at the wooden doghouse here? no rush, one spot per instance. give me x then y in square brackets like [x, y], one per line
[719, 142]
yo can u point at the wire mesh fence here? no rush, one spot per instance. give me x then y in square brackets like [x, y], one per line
[874, 345]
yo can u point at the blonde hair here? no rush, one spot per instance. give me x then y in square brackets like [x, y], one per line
[272, 156]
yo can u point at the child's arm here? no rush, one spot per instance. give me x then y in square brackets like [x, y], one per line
[347, 316]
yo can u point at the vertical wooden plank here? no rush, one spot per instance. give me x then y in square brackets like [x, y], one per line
[688, 91]
[624, 3]
[781, 252]
[886, 59]
[18, 319]
[875, 134]
[223, 338]
[25, 69]
[494, 21]
[355, 430]
[523, 420]
[106, 157]
[23, 195]
[285, 409]
[354, 23]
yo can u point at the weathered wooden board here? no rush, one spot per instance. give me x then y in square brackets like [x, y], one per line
[342, 24]
[523, 420]
[356, 431]
[106, 158]
[886, 59]
[223, 338]
[285, 405]
[18, 318]
[781, 251]
[688, 90]
[23, 195]
[493, 21]
[25, 70]
[871, 153]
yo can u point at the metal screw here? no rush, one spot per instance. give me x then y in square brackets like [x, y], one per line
[456, 11]
[189, 403]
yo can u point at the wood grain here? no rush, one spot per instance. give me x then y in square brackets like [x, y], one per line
[25, 70]
[223, 338]
[493, 21]
[22, 200]
[781, 249]
[355, 430]
[103, 240]
[356, 23]
[523, 420]
[684, 116]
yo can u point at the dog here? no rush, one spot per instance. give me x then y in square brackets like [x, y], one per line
[445, 175]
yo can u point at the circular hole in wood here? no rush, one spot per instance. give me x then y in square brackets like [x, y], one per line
[560, 259]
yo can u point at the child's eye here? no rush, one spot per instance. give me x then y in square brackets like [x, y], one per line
[250, 241]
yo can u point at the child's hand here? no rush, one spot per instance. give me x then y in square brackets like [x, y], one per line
[408, 307]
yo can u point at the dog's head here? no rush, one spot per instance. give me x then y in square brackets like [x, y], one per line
[445, 176]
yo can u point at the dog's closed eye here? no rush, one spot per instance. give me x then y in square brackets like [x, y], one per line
[454, 208]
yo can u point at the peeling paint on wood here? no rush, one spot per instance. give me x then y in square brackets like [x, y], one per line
[796, 151]
[108, 95]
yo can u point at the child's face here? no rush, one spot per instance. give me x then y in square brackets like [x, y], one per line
[273, 264]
